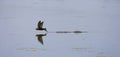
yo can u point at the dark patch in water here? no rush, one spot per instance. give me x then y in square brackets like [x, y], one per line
[71, 32]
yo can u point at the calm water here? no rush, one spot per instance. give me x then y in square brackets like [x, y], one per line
[100, 18]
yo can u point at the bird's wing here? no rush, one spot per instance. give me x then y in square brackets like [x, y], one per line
[40, 24]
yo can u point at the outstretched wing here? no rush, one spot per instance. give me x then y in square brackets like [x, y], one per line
[40, 24]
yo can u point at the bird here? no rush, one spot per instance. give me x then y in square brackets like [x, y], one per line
[39, 36]
[40, 26]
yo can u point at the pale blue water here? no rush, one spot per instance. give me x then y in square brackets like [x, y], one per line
[100, 18]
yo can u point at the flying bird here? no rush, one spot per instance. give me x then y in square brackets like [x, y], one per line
[40, 26]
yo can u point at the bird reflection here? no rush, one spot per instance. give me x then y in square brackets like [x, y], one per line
[39, 36]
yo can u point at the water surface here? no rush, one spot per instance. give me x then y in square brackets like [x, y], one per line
[100, 18]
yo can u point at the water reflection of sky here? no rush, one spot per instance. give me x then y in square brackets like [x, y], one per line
[18, 20]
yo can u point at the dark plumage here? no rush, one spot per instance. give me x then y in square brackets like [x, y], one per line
[39, 36]
[40, 26]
